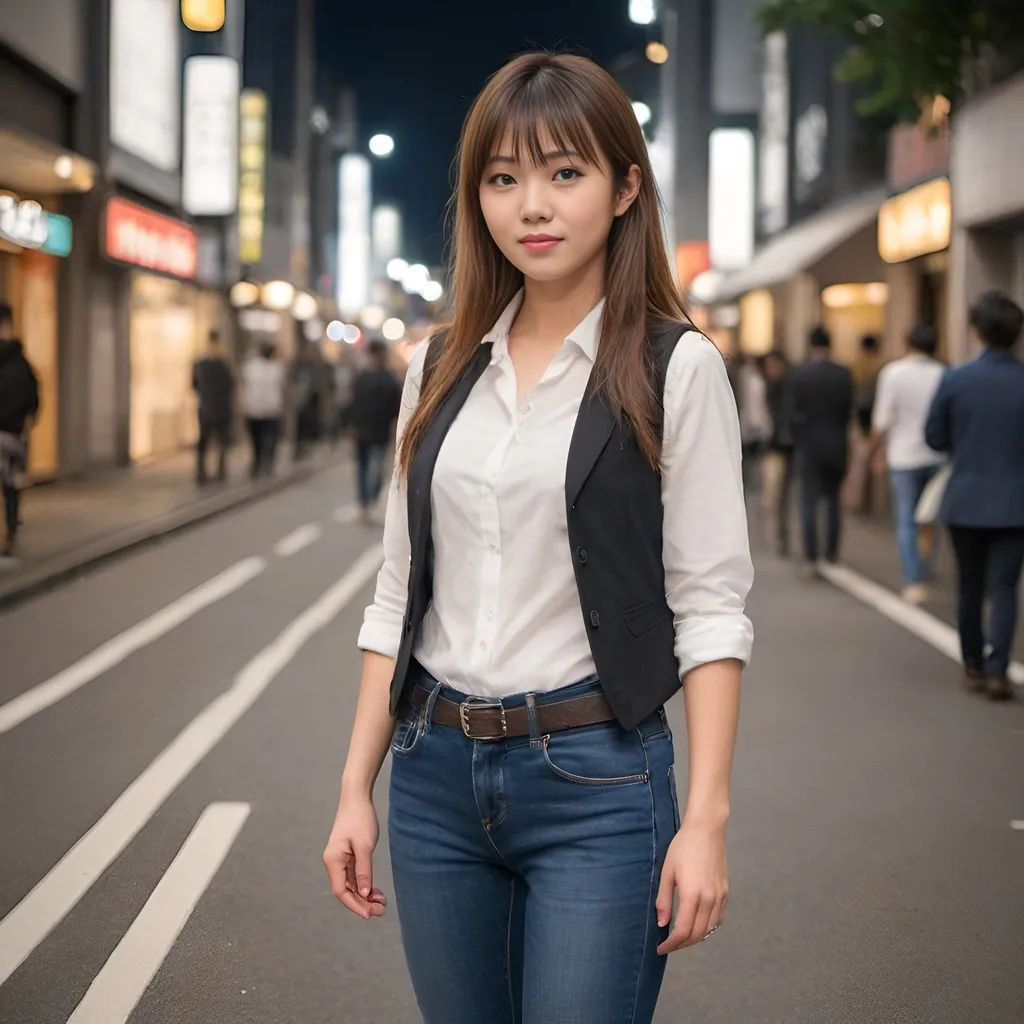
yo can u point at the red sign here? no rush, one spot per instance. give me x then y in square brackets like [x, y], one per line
[146, 239]
[692, 259]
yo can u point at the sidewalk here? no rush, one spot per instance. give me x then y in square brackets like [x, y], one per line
[869, 547]
[70, 526]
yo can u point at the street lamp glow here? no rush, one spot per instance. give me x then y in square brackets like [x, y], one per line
[352, 334]
[304, 306]
[397, 268]
[432, 291]
[415, 278]
[393, 329]
[643, 112]
[244, 293]
[373, 317]
[335, 330]
[642, 12]
[277, 295]
[382, 145]
[657, 53]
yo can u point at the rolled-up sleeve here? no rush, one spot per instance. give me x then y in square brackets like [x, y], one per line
[708, 568]
[382, 621]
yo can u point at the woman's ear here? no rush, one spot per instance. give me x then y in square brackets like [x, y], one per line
[628, 191]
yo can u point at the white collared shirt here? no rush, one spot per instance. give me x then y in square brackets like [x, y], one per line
[505, 615]
[906, 388]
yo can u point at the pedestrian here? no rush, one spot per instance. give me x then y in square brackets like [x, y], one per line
[779, 477]
[906, 388]
[19, 403]
[263, 383]
[977, 416]
[214, 383]
[376, 399]
[822, 404]
[565, 540]
[866, 368]
[755, 420]
[344, 378]
[306, 399]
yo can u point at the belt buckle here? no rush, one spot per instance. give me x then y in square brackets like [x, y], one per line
[466, 706]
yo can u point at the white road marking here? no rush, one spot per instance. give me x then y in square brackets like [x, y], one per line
[65, 884]
[298, 540]
[114, 651]
[123, 979]
[347, 513]
[1017, 826]
[922, 624]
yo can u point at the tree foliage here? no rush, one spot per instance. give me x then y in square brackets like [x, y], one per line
[907, 52]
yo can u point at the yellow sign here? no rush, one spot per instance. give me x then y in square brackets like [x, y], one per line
[203, 15]
[915, 223]
[252, 156]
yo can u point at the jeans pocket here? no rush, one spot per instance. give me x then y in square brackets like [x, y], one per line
[597, 756]
[407, 734]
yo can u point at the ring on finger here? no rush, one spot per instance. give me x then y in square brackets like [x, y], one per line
[712, 932]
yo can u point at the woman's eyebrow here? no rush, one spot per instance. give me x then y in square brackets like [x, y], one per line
[558, 154]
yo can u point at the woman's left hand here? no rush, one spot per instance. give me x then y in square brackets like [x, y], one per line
[695, 866]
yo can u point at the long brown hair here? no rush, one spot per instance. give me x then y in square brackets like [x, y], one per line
[582, 109]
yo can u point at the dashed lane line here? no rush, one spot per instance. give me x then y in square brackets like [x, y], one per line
[298, 540]
[123, 979]
[115, 650]
[28, 924]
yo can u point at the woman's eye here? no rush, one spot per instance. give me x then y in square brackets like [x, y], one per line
[567, 174]
[502, 179]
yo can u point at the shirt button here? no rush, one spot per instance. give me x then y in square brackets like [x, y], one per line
[595, 619]
[483, 646]
[527, 409]
[490, 613]
[581, 554]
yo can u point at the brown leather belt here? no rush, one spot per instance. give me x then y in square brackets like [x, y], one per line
[481, 719]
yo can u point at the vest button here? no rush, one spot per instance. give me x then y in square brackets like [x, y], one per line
[595, 619]
[581, 554]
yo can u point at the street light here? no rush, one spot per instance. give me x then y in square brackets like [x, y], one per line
[203, 15]
[277, 295]
[643, 112]
[382, 145]
[397, 268]
[393, 329]
[335, 330]
[657, 53]
[642, 12]
[415, 278]
[432, 291]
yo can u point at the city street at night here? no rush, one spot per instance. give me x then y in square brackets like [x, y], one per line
[171, 757]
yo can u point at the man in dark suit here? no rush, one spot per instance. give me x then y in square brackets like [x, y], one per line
[821, 392]
[978, 416]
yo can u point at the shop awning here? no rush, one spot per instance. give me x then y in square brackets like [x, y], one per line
[800, 247]
[32, 166]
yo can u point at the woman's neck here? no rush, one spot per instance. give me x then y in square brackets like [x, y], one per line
[552, 309]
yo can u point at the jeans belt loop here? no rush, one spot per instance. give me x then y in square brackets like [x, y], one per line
[428, 707]
[531, 718]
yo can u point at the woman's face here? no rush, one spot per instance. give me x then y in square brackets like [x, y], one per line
[553, 220]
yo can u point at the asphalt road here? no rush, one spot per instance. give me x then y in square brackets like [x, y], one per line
[193, 762]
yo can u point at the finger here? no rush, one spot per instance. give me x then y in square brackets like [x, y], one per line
[701, 922]
[360, 907]
[364, 870]
[682, 928]
[335, 866]
[663, 904]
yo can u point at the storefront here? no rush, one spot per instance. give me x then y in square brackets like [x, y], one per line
[35, 237]
[987, 244]
[169, 319]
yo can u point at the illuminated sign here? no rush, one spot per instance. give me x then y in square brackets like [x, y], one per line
[24, 222]
[209, 176]
[146, 239]
[354, 239]
[203, 15]
[252, 156]
[915, 223]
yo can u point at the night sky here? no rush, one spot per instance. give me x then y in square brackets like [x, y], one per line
[416, 66]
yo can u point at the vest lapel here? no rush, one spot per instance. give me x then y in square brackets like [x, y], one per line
[594, 426]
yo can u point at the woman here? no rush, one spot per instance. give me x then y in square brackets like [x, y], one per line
[536, 607]
[263, 386]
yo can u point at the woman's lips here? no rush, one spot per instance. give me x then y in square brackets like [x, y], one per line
[540, 243]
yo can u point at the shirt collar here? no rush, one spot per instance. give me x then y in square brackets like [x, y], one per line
[585, 336]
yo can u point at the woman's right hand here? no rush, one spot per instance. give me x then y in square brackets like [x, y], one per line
[349, 857]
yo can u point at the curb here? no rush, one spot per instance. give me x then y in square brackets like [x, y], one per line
[63, 567]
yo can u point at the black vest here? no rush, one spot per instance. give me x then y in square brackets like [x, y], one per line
[614, 512]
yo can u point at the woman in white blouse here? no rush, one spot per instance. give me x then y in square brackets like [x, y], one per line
[565, 542]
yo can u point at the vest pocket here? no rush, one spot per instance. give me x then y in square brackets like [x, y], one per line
[644, 617]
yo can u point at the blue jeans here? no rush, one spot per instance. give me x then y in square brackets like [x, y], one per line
[526, 870]
[370, 457]
[907, 487]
